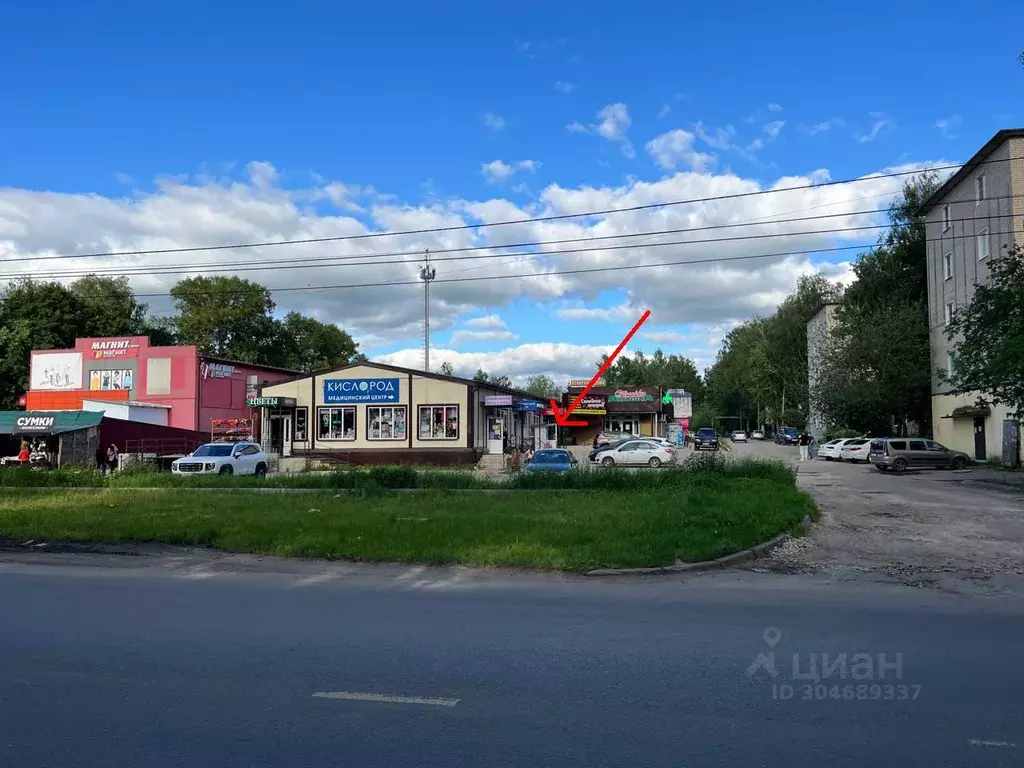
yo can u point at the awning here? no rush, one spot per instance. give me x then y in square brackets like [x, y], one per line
[970, 412]
[47, 422]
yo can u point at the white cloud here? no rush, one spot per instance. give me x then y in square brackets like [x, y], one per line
[487, 321]
[773, 107]
[256, 205]
[494, 122]
[664, 337]
[564, 86]
[498, 171]
[613, 125]
[665, 109]
[824, 126]
[755, 146]
[880, 125]
[675, 147]
[468, 337]
[774, 128]
[123, 178]
[719, 138]
[946, 125]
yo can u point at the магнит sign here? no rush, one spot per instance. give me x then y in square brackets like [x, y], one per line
[361, 390]
[105, 349]
[216, 370]
[631, 396]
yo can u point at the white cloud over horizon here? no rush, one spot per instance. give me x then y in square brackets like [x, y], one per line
[205, 210]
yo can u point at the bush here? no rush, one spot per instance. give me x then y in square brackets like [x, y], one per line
[840, 434]
[701, 461]
[394, 477]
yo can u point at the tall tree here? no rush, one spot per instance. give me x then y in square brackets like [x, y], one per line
[988, 336]
[658, 370]
[306, 344]
[110, 306]
[870, 379]
[227, 317]
[501, 381]
[446, 369]
[543, 386]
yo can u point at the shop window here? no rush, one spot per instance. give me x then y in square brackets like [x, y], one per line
[385, 422]
[334, 423]
[299, 431]
[439, 422]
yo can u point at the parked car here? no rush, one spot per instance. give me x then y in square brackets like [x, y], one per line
[705, 440]
[787, 436]
[242, 458]
[899, 453]
[552, 460]
[831, 450]
[757, 434]
[592, 456]
[857, 449]
[633, 453]
[739, 436]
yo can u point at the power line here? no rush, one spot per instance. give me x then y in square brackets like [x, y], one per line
[533, 220]
[375, 259]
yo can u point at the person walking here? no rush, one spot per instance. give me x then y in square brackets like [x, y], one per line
[101, 460]
[112, 458]
[804, 441]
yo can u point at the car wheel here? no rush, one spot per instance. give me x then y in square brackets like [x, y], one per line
[261, 470]
[959, 462]
[227, 469]
[608, 461]
[900, 465]
[654, 463]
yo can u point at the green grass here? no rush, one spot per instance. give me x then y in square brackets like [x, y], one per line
[703, 515]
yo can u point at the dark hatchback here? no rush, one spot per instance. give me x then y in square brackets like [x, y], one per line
[705, 440]
[787, 436]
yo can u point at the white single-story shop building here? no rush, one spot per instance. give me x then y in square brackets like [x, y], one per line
[372, 413]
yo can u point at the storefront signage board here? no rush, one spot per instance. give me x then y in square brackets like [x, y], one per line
[216, 370]
[361, 390]
[270, 402]
[631, 396]
[592, 405]
[34, 424]
[497, 400]
[109, 349]
[530, 406]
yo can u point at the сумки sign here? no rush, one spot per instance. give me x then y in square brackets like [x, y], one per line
[33, 424]
[360, 390]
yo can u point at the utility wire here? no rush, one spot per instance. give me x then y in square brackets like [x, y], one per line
[375, 259]
[534, 220]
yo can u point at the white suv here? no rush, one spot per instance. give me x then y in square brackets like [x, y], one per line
[242, 458]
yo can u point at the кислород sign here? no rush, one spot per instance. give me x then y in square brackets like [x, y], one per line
[361, 390]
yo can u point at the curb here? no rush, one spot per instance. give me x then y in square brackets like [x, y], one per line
[736, 558]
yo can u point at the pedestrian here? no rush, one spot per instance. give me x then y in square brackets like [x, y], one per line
[112, 458]
[101, 460]
[804, 441]
[24, 455]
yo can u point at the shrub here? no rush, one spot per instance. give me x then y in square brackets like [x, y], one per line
[394, 477]
[706, 462]
[840, 434]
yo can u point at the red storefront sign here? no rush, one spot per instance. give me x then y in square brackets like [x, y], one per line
[109, 349]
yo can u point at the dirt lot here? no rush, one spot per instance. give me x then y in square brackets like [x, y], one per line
[959, 531]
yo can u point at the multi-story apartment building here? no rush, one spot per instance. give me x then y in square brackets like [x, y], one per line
[819, 328]
[972, 217]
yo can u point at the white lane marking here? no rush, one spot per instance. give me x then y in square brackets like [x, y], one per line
[388, 698]
[990, 743]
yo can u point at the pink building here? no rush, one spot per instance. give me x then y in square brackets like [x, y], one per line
[170, 386]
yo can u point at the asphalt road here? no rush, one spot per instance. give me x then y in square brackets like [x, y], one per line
[158, 662]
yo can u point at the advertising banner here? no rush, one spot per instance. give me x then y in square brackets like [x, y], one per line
[270, 402]
[497, 400]
[37, 423]
[109, 349]
[56, 370]
[592, 405]
[361, 390]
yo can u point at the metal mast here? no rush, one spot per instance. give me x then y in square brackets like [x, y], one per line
[427, 273]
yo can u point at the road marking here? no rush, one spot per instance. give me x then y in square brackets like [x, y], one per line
[989, 743]
[388, 698]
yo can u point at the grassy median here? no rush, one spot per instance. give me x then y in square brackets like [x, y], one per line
[636, 519]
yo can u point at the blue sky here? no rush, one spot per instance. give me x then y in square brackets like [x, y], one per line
[420, 114]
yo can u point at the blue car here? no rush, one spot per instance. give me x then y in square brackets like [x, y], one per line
[552, 460]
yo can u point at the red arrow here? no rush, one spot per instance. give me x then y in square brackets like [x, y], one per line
[561, 419]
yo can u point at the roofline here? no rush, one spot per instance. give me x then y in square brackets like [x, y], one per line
[967, 168]
[412, 372]
[228, 361]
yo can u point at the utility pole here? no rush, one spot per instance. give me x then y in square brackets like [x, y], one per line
[427, 273]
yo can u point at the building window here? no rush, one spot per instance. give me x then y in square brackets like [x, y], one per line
[945, 218]
[336, 423]
[385, 422]
[981, 242]
[979, 188]
[949, 312]
[947, 265]
[299, 430]
[439, 422]
[950, 364]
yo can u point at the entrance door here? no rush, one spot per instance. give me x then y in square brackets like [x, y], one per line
[286, 448]
[979, 438]
[276, 435]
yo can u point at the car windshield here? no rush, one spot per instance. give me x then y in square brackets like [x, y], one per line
[213, 450]
[550, 457]
[706, 433]
[789, 431]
